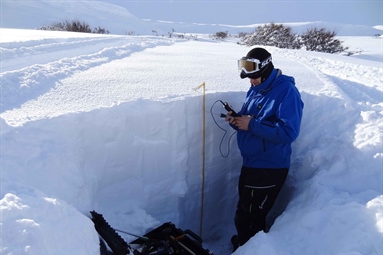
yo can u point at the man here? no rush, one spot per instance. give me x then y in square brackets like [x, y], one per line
[267, 124]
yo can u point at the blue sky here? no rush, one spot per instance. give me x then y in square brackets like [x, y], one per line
[357, 12]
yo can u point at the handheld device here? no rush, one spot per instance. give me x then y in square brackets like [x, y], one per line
[229, 109]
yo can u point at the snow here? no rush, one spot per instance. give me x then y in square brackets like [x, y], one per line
[114, 123]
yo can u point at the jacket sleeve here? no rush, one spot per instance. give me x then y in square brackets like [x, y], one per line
[286, 125]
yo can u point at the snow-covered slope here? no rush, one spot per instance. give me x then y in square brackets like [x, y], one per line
[35, 14]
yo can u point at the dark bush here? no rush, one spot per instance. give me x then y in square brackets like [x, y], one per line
[220, 35]
[322, 41]
[272, 35]
[74, 26]
[242, 34]
[100, 30]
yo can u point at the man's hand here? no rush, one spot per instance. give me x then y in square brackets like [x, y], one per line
[229, 118]
[241, 122]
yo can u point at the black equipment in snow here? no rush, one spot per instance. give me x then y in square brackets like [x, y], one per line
[167, 239]
[115, 242]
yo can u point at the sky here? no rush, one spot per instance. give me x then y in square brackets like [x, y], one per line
[114, 123]
[355, 12]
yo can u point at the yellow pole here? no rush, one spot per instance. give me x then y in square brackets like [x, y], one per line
[203, 85]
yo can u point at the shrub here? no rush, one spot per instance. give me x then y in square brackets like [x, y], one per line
[272, 35]
[74, 26]
[220, 35]
[242, 34]
[322, 41]
[100, 30]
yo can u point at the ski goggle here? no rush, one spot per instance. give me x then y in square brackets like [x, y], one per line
[252, 65]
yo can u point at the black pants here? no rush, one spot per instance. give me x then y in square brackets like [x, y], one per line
[258, 189]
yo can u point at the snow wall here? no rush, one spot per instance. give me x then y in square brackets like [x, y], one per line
[109, 159]
[140, 164]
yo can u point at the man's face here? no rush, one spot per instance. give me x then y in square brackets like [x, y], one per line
[255, 82]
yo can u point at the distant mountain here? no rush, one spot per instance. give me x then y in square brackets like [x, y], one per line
[118, 20]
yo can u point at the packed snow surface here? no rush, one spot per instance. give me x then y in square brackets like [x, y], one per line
[114, 123]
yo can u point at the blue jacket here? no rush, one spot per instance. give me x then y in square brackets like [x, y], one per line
[276, 108]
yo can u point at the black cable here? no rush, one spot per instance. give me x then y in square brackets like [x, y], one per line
[225, 130]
